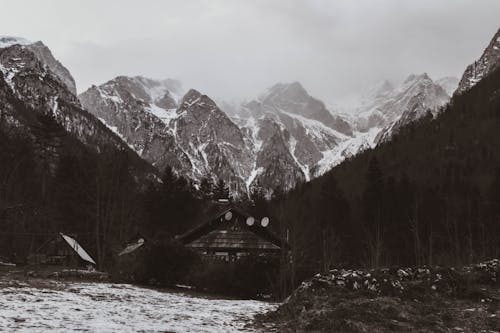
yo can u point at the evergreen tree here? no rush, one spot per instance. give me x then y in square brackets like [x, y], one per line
[334, 218]
[259, 203]
[373, 213]
[221, 190]
[207, 188]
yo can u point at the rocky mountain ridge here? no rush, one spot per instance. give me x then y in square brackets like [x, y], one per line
[283, 137]
[32, 89]
[189, 133]
[416, 96]
[486, 64]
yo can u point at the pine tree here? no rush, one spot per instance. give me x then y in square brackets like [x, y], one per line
[207, 188]
[259, 202]
[221, 190]
[373, 214]
[333, 219]
[168, 178]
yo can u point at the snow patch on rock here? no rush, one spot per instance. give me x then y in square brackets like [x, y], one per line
[346, 149]
[8, 41]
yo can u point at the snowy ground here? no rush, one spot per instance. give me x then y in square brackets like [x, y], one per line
[50, 306]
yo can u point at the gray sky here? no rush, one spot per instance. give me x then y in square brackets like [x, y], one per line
[235, 49]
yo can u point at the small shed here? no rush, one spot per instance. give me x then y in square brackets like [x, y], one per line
[232, 234]
[133, 245]
[61, 250]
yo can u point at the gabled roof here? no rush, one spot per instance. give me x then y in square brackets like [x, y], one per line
[131, 247]
[217, 232]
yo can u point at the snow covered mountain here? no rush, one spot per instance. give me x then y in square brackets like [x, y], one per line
[488, 62]
[44, 55]
[417, 95]
[33, 84]
[277, 140]
[385, 108]
[187, 132]
[293, 134]
[138, 109]
[283, 137]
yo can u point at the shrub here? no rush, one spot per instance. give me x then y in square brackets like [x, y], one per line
[248, 277]
[164, 263]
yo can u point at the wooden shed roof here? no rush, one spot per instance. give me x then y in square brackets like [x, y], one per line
[218, 233]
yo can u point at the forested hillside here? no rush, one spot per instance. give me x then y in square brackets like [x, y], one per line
[429, 196]
[50, 183]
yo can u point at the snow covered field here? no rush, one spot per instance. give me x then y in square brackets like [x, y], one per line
[103, 307]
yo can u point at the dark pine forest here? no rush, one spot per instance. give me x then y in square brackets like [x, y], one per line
[430, 196]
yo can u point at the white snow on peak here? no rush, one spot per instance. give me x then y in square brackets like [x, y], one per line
[165, 115]
[109, 96]
[255, 172]
[346, 149]
[190, 102]
[55, 104]
[7, 41]
[157, 89]
[304, 168]
[253, 126]
[9, 73]
[315, 127]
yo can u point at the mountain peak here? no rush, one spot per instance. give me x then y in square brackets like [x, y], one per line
[194, 97]
[293, 90]
[487, 63]
[296, 85]
[7, 41]
[415, 77]
[191, 96]
[385, 85]
[170, 84]
[43, 54]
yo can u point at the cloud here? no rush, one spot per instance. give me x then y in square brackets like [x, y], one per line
[235, 48]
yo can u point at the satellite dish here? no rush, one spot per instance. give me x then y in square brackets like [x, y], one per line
[228, 216]
[250, 221]
[264, 222]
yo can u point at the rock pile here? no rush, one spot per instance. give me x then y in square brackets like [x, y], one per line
[407, 281]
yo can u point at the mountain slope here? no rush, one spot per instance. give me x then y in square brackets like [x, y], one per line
[139, 111]
[276, 140]
[213, 142]
[32, 90]
[486, 64]
[44, 55]
[294, 99]
[417, 95]
[289, 116]
[189, 133]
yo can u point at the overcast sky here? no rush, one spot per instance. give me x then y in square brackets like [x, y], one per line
[235, 49]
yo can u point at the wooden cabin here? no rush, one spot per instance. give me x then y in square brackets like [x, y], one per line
[55, 252]
[231, 234]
